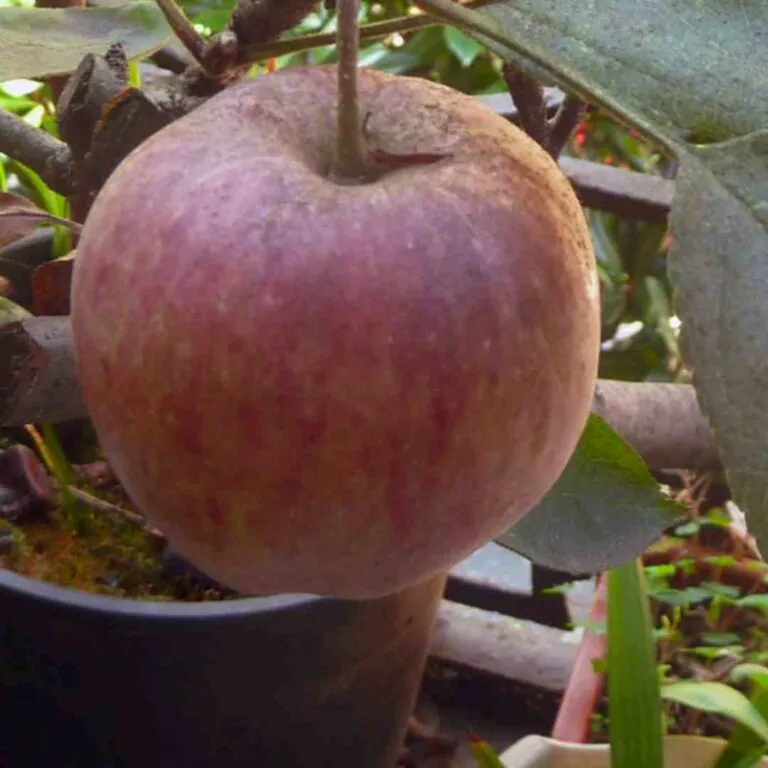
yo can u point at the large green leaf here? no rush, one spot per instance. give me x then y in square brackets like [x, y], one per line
[37, 42]
[682, 68]
[688, 73]
[604, 510]
[720, 267]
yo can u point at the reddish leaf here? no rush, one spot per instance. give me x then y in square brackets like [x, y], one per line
[51, 285]
[14, 226]
[19, 217]
[26, 491]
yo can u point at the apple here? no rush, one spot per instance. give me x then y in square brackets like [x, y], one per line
[336, 388]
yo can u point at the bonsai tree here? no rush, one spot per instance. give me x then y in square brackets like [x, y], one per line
[699, 101]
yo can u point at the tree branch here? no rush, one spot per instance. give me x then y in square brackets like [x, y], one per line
[259, 51]
[258, 21]
[183, 28]
[662, 422]
[570, 114]
[171, 60]
[38, 382]
[528, 97]
[50, 158]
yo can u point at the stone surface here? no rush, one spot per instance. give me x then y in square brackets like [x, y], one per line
[498, 645]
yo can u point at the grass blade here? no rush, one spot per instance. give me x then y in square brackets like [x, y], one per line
[634, 700]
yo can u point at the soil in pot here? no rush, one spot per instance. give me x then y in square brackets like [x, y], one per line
[94, 541]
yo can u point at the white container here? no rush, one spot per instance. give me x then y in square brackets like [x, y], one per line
[542, 752]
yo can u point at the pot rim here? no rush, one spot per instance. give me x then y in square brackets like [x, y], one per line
[85, 602]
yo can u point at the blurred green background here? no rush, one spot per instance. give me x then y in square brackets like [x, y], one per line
[639, 328]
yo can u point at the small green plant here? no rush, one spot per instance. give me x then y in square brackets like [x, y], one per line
[75, 513]
[686, 655]
[635, 713]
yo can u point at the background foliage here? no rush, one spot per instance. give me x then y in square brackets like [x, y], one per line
[639, 329]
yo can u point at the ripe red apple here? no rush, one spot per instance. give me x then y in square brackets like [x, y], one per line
[336, 388]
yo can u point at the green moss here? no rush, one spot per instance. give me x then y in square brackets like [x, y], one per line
[110, 556]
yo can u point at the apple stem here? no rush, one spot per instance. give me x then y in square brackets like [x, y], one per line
[350, 160]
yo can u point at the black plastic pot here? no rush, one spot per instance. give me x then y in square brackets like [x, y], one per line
[96, 682]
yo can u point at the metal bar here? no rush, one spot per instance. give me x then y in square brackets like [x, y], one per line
[489, 594]
[628, 194]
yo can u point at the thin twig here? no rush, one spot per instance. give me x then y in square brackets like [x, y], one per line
[528, 96]
[20, 213]
[113, 509]
[349, 161]
[183, 28]
[368, 32]
[170, 60]
[569, 115]
[50, 158]
[258, 21]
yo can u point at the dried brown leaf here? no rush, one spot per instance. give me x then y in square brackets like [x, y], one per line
[51, 285]
[13, 225]
[19, 217]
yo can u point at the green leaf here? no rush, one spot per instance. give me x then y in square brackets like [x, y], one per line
[634, 703]
[719, 268]
[756, 602]
[719, 699]
[484, 756]
[720, 639]
[677, 67]
[707, 652]
[604, 510]
[749, 760]
[722, 590]
[11, 312]
[688, 529]
[60, 468]
[755, 672]
[744, 744]
[462, 46]
[37, 42]
[688, 596]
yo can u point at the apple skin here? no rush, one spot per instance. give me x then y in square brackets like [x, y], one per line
[331, 388]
